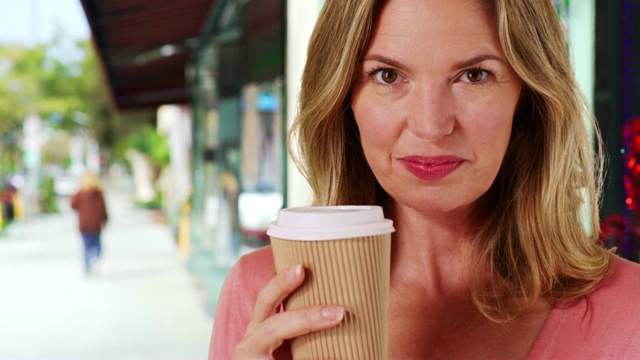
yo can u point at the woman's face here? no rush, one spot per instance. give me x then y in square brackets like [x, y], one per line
[434, 103]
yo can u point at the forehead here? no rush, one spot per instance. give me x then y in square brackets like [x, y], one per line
[445, 22]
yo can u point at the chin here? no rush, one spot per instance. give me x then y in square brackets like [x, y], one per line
[437, 201]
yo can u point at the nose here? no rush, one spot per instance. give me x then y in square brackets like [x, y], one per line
[432, 113]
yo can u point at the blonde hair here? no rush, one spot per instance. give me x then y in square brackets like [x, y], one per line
[534, 243]
[325, 132]
[535, 236]
[89, 181]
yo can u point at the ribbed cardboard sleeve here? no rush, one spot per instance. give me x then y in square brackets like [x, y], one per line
[353, 273]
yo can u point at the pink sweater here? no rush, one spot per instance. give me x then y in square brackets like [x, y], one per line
[605, 325]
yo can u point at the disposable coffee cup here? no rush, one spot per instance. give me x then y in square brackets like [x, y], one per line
[346, 252]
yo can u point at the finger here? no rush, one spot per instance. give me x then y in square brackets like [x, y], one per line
[275, 292]
[271, 333]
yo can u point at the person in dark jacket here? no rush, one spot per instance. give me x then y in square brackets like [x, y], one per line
[89, 203]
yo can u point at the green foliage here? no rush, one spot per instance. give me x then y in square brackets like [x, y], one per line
[34, 82]
[150, 143]
[16, 88]
[48, 196]
[123, 127]
[154, 204]
[62, 83]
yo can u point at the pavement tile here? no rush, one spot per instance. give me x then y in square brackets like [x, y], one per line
[143, 303]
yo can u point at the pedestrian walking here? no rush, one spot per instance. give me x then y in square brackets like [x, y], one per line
[89, 203]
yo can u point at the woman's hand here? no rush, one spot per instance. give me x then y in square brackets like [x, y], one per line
[267, 329]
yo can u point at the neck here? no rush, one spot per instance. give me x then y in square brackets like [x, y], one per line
[430, 251]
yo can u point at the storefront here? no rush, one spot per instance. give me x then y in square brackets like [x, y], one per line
[617, 110]
[238, 141]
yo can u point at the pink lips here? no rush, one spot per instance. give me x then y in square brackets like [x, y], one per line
[431, 168]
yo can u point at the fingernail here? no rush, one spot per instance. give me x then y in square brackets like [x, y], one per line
[333, 313]
[294, 271]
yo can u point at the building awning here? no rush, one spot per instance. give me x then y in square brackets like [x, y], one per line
[144, 47]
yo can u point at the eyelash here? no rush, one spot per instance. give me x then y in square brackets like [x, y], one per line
[489, 73]
[375, 71]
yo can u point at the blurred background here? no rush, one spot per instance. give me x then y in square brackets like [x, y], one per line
[182, 108]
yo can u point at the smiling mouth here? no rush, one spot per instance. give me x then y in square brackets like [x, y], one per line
[431, 168]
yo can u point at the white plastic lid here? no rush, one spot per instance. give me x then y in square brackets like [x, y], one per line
[329, 222]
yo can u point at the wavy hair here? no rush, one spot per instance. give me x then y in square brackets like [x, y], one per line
[540, 240]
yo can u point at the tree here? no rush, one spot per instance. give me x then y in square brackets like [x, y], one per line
[61, 82]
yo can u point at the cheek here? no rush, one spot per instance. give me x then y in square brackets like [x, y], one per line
[490, 135]
[376, 138]
[372, 130]
[494, 131]
[376, 125]
[487, 120]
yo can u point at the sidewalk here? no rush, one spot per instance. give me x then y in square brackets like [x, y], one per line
[143, 304]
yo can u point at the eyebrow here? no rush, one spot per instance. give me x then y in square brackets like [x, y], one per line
[478, 59]
[462, 64]
[385, 60]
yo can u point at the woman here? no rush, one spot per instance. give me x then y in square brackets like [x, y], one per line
[462, 118]
[92, 217]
